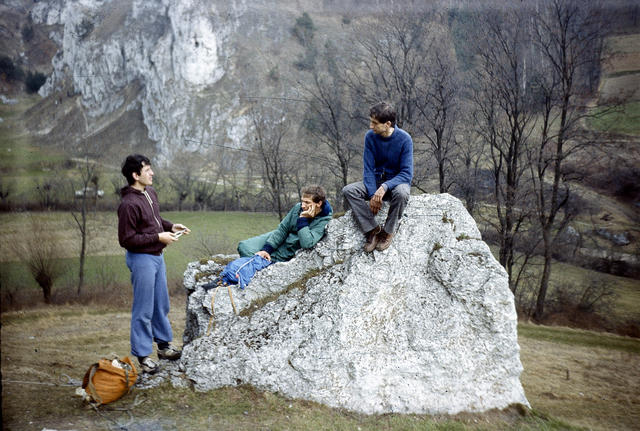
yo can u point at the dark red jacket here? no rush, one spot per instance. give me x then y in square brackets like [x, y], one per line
[139, 221]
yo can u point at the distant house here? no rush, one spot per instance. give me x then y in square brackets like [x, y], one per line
[89, 192]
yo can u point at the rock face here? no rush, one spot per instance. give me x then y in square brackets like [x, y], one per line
[189, 69]
[426, 326]
[169, 51]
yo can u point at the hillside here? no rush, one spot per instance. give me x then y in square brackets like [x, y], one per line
[179, 81]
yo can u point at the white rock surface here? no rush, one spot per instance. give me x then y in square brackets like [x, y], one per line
[426, 326]
[173, 51]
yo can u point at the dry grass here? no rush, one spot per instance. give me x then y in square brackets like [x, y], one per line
[44, 347]
[626, 53]
[593, 387]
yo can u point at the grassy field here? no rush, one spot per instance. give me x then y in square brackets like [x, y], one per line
[572, 379]
[624, 120]
[212, 232]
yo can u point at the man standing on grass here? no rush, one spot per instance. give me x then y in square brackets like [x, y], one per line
[387, 175]
[143, 233]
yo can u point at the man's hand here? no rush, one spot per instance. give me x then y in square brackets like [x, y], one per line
[178, 227]
[375, 203]
[166, 238]
[264, 254]
[311, 211]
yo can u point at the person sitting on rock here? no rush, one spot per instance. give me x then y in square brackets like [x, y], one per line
[387, 175]
[302, 227]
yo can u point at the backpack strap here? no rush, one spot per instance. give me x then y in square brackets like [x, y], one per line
[126, 375]
[213, 300]
[231, 297]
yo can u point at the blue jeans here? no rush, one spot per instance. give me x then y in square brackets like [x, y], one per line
[150, 309]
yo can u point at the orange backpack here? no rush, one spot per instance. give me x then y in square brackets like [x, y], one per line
[104, 382]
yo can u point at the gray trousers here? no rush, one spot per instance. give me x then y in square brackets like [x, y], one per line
[358, 198]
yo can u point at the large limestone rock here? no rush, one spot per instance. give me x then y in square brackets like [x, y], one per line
[427, 326]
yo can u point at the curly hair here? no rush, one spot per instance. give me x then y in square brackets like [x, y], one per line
[316, 192]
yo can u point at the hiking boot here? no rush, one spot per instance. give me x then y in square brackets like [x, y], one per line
[148, 365]
[212, 284]
[170, 353]
[384, 240]
[372, 239]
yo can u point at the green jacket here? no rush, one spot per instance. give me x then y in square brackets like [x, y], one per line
[292, 234]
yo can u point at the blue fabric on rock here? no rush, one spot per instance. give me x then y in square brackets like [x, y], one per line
[242, 270]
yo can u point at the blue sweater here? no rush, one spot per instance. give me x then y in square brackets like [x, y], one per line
[387, 161]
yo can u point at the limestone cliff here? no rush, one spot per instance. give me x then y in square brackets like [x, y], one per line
[172, 53]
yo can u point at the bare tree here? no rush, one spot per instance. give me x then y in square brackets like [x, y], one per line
[329, 117]
[391, 53]
[86, 192]
[39, 249]
[569, 38]
[183, 176]
[209, 175]
[438, 106]
[203, 191]
[48, 192]
[501, 100]
[468, 173]
[271, 129]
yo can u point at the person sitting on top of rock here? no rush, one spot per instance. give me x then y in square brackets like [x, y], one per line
[387, 175]
[302, 227]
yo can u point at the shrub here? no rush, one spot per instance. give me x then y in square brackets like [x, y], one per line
[304, 29]
[10, 71]
[594, 296]
[39, 250]
[27, 33]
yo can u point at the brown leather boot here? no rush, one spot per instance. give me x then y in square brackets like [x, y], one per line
[384, 240]
[372, 239]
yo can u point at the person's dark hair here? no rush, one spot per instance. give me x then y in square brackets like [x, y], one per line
[316, 192]
[133, 163]
[383, 112]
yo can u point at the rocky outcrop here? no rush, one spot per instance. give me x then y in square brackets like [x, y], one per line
[189, 69]
[426, 326]
[172, 51]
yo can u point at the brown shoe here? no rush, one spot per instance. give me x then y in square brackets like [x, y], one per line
[384, 240]
[372, 239]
